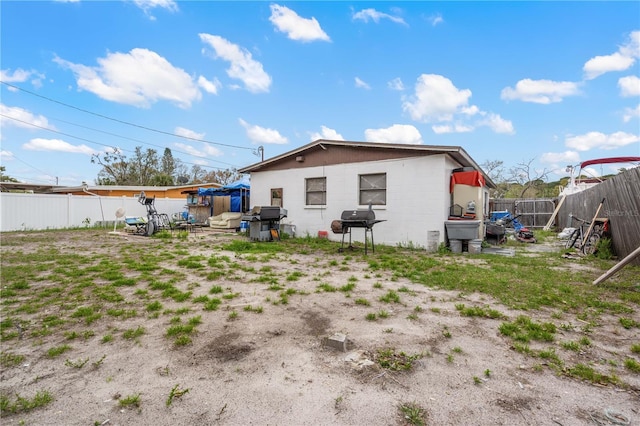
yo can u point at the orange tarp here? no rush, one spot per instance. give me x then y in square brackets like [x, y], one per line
[473, 178]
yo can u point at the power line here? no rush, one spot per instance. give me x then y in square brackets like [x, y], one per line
[136, 140]
[33, 167]
[122, 121]
[96, 143]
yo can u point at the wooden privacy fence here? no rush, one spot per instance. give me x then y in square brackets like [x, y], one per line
[534, 212]
[621, 207]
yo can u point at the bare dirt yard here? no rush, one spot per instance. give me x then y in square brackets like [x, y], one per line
[105, 329]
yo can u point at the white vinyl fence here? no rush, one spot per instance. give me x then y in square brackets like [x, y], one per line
[20, 211]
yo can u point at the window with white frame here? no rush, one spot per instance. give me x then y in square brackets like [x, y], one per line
[373, 189]
[316, 191]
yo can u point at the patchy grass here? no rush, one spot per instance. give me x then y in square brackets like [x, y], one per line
[524, 330]
[390, 359]
[19, 404]
[9, 359]
[51, 294]
[130, 401]
[413, 414]
[56, 351]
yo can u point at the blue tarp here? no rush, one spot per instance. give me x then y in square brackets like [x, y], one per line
[235, 190]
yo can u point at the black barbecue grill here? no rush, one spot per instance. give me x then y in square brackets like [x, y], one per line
[361, 218]
[264, 222]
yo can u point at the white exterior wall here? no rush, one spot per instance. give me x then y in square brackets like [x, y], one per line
[19, 211]
[418, 197]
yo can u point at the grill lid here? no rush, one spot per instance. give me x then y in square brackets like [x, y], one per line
[359, 214]
[267, 212]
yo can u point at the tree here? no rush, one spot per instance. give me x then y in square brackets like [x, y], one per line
[5, 178]
[527, 179]
[181, 173]
[223, 177]
[145, 165]
[168, 164]
[495, 170]
[197, 174]
[115, 168]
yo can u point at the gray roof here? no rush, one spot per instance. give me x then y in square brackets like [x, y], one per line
[455, 152]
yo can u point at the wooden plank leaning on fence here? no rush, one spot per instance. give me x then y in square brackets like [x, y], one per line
[555, 213]
[618, 266]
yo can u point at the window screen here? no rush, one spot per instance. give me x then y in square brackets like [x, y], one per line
[373, 189]
[316, 191]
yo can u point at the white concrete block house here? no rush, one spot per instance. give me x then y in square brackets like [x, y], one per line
[407, 185]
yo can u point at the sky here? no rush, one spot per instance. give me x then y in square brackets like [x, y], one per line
[548, 84]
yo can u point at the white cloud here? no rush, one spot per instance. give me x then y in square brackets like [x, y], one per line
[140, 78]
[599, 65]
[621, 60]
[435, 19]
[243, 66]
[471, 110]
[567, 157]
[206, 150]
[398, 133]
[6, 155]
[497, 123]
[327, 133]
[451, 128]
[540, 91]
[260, 135]
[296, 27]
[148, 5]
[209, 86]
[631, 113]
[39, 144]
[375, 16]
[23, 118]
[632, 46]
[20, 76]
[629, 86]
[396, 84]
[361, 84]
[435, 99]
[181, 131]
[593, 140]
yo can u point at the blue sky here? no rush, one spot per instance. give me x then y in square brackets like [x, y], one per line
[552, 82]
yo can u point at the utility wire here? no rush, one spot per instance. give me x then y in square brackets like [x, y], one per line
[135, 140]
[122, 121]
[34, 168]
[90, 141]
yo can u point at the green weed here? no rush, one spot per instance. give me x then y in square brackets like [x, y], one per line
[413, 414]
[20, 404]
[9, 359]
[133, 333]
[632, 365]
[130, 401]
[57, 351]
[390, 297]
[176, 392]
[389, 359]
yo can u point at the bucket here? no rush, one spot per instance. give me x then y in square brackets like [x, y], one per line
[323, 235]
[455, 246]
[433, 239]
[475, 246]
